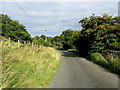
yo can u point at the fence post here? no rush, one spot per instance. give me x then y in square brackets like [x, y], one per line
[18, 43]
[9, 42]
[1, 41]
[32, 44]
[29, 42]
[24, 43]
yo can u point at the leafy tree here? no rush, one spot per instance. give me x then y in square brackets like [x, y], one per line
[38, 40]
[57, 42]
[43, 36]
[99, 33]
[12, 28]
[67, 39]
[43, 40]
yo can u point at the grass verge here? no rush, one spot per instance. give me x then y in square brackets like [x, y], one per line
[28, 67]
[110, 62]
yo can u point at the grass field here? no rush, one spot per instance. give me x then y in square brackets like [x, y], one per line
[28, 67]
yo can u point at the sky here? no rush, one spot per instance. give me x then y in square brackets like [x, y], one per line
[55, 16]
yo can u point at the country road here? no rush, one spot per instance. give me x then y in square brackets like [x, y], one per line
[77, 72]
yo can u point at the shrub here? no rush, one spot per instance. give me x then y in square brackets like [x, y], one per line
[113, 64]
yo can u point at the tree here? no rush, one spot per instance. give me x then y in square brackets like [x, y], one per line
[57, 42]
[99, 33]
[67, 39]
[43, 36]
[12, 28]
[43, 40]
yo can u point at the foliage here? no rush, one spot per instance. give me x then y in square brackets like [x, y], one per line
[67, 39]
[99, 34]
[43, 40]
[108, 61]
[98, 58]
[13, 29]
[28, 67]
[64, 41]
[57, 42]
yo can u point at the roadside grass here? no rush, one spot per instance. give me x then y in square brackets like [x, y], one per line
[28, 67]
[71, 50]
[110, 62]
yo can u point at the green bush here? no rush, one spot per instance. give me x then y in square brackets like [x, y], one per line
[114, 63]
[99, 59]
[109, 62]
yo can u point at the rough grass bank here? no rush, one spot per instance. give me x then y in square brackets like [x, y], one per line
[110, 61]
[28, 67]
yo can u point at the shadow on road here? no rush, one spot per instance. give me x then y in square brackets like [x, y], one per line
[68, 54]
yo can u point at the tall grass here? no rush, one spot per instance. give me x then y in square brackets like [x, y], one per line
[28, 67]
[108, 61]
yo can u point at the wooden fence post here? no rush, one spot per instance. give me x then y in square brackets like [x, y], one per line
[9, 42]
[18, 43]
[29, 42]
[24, 43]
[1, 41]
[32, 44]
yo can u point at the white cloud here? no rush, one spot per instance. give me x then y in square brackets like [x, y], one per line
[55, 16]
[60, 0]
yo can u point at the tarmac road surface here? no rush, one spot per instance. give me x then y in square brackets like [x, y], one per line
[77, 72]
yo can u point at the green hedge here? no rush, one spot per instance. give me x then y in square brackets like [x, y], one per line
[107, 61]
